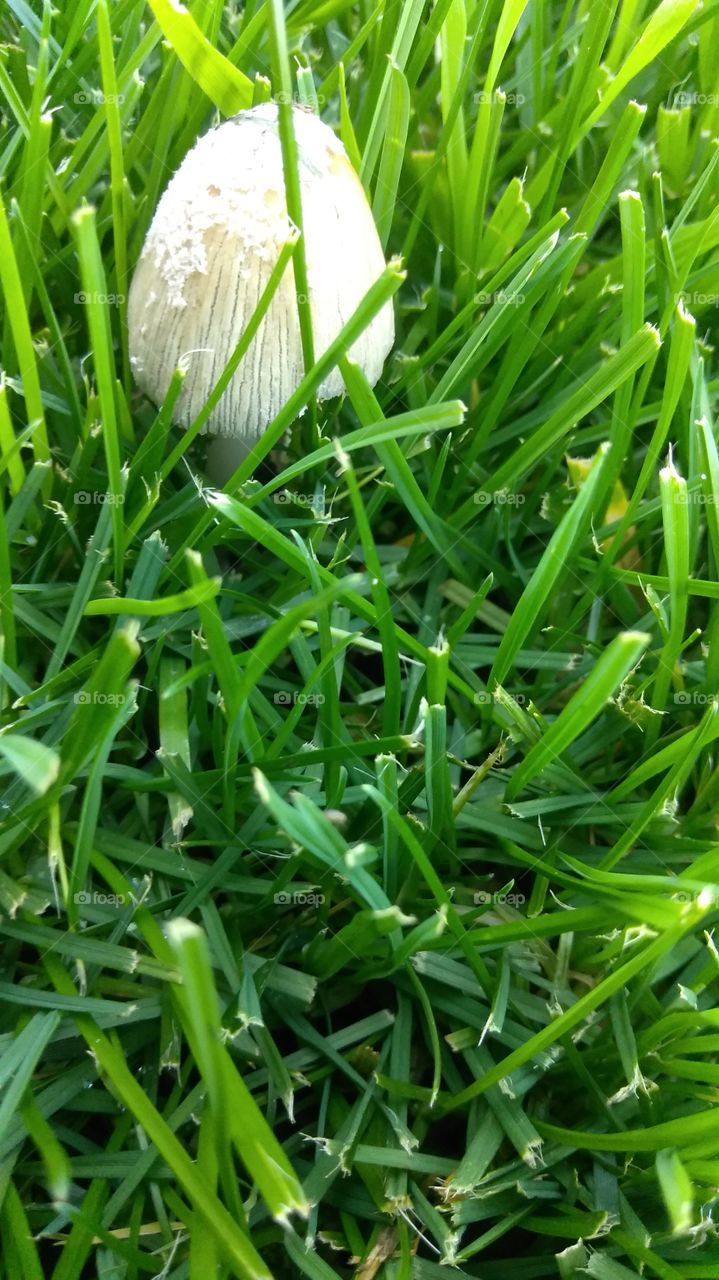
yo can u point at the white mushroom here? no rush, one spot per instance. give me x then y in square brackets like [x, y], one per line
[215, 237]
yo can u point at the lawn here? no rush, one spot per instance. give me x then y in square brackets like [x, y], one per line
[359, 861]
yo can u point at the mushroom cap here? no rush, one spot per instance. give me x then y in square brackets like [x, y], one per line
[215, 237]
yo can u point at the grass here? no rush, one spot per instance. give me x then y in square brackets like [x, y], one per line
[358, 835]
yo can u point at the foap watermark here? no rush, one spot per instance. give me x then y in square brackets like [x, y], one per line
[96, 98]
[686, 896]
[511, 99]
[86, 899]
[484, 698]
[483, 898]
[694, 498]
[289, 698]
[685, 698]
[84, 698]
[500, 498]
[87, 498]
[296, 98]
[85, 299]
[487, 299]
[316, 503]
[298, 898]
[686, 99]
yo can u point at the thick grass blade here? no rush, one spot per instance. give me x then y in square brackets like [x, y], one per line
[225, 86]
[588, 702]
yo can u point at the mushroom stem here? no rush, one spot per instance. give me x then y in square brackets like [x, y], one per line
[224, 457]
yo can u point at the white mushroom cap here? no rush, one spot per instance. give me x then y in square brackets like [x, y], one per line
[215, 237]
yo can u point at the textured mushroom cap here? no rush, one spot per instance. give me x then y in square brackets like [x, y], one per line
[215, 237]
